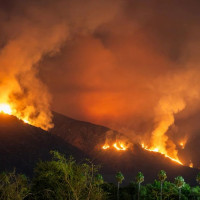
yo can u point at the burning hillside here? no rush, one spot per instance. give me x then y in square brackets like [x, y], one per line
[6, 109]
[22, 145]
[95, 140]
[176, 159]
[121, 64]
[119, 146]
[124, 146]
[113, 140]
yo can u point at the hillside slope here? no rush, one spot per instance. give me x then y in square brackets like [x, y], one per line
[22, 145]
[90, 138]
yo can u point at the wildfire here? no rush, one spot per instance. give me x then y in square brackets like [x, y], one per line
[166, 155]
[182, 143]
[119, 146]
[106, 146]
[191, 165]
[6, 109]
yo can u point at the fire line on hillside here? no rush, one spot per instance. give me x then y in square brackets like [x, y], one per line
[119, 146]
[157, 150]
[6, 109]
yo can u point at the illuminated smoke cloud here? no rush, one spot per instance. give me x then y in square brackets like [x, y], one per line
[124, 72]
[129, 65]
[31, 31]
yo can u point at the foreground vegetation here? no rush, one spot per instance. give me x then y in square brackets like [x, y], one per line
[64, 179]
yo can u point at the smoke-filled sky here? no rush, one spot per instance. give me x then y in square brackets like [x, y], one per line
[122, 58]
[128, 64]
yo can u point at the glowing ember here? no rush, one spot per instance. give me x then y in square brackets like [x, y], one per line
[158, 151]
[5, 108]
[119, 146]
[182, 143]
[191, 165]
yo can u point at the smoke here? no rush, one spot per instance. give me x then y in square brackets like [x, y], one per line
[167, 108]
[179, 90]
[117, 74]
[31, 31]
[19, 84]
[137, 72]
[129, 65]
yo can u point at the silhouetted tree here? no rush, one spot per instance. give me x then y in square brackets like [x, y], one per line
[161, 176]
[110, 189]
[198, 178]
[99, 180]
[119, 176]
[63, 178]
[195, 192]
[179, 182]
[139, 180]
[13, 186]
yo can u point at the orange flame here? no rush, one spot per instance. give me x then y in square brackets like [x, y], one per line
[191, 165]
[6, 109]
[119, 146]
[106, 146]
[183, 143]
[166, 155]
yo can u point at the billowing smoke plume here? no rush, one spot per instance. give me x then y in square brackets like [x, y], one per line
[178, 92]
[20, 86]
[30, 31]
[130, 65]
[137, 73]
[167, 107]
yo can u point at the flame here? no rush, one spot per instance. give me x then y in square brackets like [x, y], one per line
[6, 109]
[106, 146]
[183, 143]
[119, 146]
[165, 112]
[26, 121]
[165, 154]
[28, 114]
[191, 165]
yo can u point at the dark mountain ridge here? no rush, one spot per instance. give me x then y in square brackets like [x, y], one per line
[90, 138]
[22, 145]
